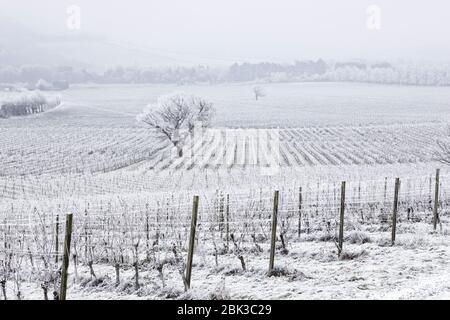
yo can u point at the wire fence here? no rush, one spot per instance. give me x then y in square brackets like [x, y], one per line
[144, 232]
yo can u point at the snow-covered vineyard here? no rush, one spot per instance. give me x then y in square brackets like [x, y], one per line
[132, 205]
[70, 149]
[137, 244]
[190, 150]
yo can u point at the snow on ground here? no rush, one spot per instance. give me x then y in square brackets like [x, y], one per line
[91, 151]
[415, 268]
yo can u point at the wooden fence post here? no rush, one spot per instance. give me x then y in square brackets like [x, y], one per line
[57, 239]
[429, 188]
[394, 214]
[274, 231]
[192, 241]
[157, 223]
[341, 220]
[222, 215]
[65, 267]
[300, 200]
[228, 222]
[86, 235]
[436, 201]
[147, 232]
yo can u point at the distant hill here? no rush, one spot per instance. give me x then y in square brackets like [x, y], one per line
[22, 46]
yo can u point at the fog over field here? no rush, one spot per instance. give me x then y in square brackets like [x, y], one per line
[224, 150]
[201, 31]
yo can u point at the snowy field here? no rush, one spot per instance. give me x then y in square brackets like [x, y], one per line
[132, 199]
[285, 105]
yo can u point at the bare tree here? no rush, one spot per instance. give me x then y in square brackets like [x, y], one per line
[259, 92]
[176, 114]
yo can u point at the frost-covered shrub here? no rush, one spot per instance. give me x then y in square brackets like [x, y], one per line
[26, 103]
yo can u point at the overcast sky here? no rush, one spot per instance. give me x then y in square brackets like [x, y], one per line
[278, 30]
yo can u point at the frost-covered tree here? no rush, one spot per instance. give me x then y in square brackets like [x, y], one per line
[176, 114]
[259, 92]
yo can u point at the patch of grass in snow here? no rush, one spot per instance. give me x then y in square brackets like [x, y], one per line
[170, 293]
[407, 242]
[126, 287]
[357, 237]
[233, 272]
[292, 275]
[413, 242]
[218, 293]
[352, 255]
[383, 228]
[320, 237]
[384, 242]
[406, 228]
[320, 254]
[94, 282]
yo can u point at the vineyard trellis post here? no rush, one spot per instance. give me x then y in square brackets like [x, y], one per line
[436, 201]
[228, 222]
[157, 224]
[341, 220]
[147, 231]
[192, 241]
[274, 231]
[65, 266]
[394, 213]
[57, 239]
[86, 235]
[222, 214]
[429, 186]
[299, 211]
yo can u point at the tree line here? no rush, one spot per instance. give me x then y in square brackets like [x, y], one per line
[384, 72]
